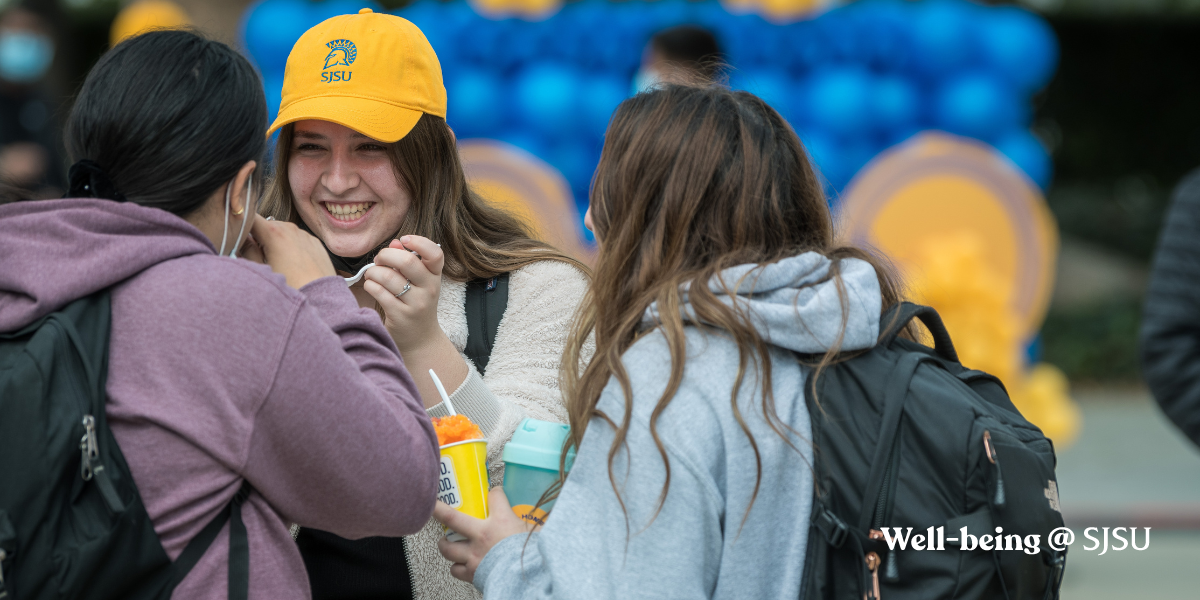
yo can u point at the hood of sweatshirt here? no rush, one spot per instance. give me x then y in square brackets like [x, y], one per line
[794, 305]
[53, 252]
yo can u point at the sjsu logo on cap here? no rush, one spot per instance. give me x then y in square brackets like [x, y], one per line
[341, 53]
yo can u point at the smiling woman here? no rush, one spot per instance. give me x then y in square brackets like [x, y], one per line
[338, 177]
[369, 166]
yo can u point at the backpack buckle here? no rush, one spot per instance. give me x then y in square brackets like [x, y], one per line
[833, 528]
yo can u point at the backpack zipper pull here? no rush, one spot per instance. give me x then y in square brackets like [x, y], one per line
[93, 469]
[88, 447]
[994, 458]
[872, 561]
[890, 571]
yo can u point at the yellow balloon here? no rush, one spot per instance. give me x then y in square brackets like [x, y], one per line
[951, 272]
[525, 186]
[145, 15]
[785, 10]
[527, 9]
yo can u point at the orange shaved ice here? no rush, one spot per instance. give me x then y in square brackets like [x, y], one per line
[457, 428]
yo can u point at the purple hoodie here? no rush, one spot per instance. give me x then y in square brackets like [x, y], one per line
[219, 372]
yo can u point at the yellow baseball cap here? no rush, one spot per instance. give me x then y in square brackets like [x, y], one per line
[371, 72]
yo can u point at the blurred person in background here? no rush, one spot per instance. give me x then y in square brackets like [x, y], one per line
[29, 155]
[222, 373]
[1170, 333]
[366, 161]
[685, 54]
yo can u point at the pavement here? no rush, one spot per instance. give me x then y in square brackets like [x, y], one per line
[1130, 467]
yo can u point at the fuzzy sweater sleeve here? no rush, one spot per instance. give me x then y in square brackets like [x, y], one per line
[521, 381]
[522, 377]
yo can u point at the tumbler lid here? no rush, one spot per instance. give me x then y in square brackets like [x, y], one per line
[538, 444]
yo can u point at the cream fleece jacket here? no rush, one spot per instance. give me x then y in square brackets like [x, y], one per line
[521, 381]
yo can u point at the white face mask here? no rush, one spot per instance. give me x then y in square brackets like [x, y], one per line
[646, 78]
[245, 210]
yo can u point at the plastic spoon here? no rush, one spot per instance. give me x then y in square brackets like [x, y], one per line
[442, 392]
[353, 280]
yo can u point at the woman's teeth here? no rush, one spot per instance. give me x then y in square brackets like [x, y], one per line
[347, 212]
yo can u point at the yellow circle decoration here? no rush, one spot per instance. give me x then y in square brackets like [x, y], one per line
[938, 184]
[145, 15]
[524, 185]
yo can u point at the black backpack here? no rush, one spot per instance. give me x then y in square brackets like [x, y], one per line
[906, 437]
[377, 567]
[72, 524]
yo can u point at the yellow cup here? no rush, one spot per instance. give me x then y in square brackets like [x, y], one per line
[463, 483]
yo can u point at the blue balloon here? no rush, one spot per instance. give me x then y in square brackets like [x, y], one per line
[841, 32]
[978, 105]
[772, 86]
[273, 90]
[827, 157]
[857, 152]
[479, 41]
[885, 33]
[576, 161]
[271, 28]
[897, 136]
[1020, 46]
[1026, 151]
[896, 102]
[547, 98]
[600, 96]
[475, 102]
[333, 8]
[523, 139]
[423, 13]
[748, 43]
[943, 36]
[804, 46]
[838, 100]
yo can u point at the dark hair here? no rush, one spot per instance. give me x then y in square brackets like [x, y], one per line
[691, 47]
[12, 193]
[170, 117]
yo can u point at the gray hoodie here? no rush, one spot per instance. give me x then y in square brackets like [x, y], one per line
[709, 540]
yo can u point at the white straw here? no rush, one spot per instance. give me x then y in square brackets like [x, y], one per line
[442, 391]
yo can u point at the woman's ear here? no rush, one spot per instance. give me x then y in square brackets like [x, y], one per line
[237, 200]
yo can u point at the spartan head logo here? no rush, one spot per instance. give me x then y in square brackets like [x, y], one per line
[341, 52]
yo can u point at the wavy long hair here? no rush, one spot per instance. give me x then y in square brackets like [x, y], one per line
[479, 240]
[694, 180]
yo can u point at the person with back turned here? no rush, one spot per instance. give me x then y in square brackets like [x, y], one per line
[225, 377]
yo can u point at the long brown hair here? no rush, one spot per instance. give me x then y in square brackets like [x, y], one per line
[479, 240]
[693, 180]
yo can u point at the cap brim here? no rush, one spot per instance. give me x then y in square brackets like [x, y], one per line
[372, 118]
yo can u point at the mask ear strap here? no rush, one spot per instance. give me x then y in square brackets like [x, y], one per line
[245, 207]
[225, 229]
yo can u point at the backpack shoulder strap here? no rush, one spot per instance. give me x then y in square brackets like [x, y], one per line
[893, 321]
[487, 299]
[239, 547]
